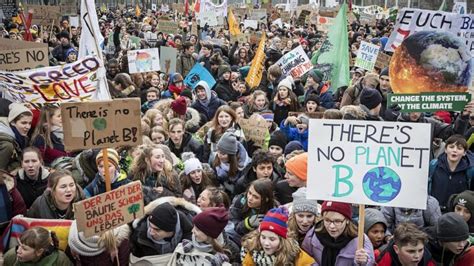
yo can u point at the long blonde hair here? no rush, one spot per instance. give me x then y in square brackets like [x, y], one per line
[141, 169]
[286, 254]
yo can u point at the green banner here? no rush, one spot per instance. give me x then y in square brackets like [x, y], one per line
[429, 102]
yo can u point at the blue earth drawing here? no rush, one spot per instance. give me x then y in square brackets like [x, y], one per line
[381, 184]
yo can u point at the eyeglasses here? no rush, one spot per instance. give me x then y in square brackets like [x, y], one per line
[336, 223]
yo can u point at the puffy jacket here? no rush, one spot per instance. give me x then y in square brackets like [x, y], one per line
[388, 257]
[56, 258]
[303, 259]
[31, 189]
[292, 133]
[10, 151]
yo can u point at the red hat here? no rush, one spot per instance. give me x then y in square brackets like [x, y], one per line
[339, 207]
[298, 166]
[179, 105]
[275, 221]
[212, 221]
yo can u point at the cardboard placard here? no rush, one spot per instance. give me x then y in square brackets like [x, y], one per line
[109, 210]
[101, 124]
[169, 27]
[248, 23]
[209, 18]
[383, 60]
[259, 15]
[145, 60]
[8, 8]
[45, 15]
[21, 55]
[302, 17]
[369, 162]
[367, 56]
[295, 62]
[168, 57]
[254, 129]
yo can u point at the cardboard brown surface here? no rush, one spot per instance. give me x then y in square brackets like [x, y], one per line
[170, 27]
[109, 210]
[21, 55]
[383, 60]
[101, 124]
[254, 129]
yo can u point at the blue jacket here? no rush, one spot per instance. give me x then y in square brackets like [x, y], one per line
[97, 186]
[208, 111]
[293, 134]
[325, 95]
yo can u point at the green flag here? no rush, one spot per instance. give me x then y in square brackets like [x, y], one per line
[333, 56]
[444, 6]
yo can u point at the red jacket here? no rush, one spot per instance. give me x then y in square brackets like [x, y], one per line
[388, 257]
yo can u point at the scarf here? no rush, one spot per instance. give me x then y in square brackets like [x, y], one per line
[21, 140]
[163, 246]
[202, 246]
[58, 132]
[331, 247]
[283, 102]
[262, 259]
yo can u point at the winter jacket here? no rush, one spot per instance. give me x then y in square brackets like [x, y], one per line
[303, 259]
[11, 202]
[292, 133]
[389, 258]
[443, 256]
[97, 186]
[421, 218]
[443, 182]
[56, 258]
[50, 153]
[208, 112]
[248, 175]
[186, 254]
[10, 151]
[222, 170]
[324, 93]
[313, 246]
[225, 91]
[31, 189]
[189, 144]
[211, 139]
[273, 55]
[184, 64]
[44, 208]
[281, 111]
[368, 115]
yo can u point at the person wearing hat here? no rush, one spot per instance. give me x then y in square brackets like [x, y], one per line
[276, 146]
[296, 128]
[194, 179]
[315, 85]
[371, 104]
[14, 135]
[351, 96]
[303, 215]
[175, 86]
[285, 100]
[463, 204]
[209, 244]
[297, 170]
[271, 245]
[312, 104]
[179, 106]
[375, 227]
[160, 232]
[117, 177]
[188, 95]
[449, 241]
[333, 240]
[206, 103]
[59, 52]
[224, 88]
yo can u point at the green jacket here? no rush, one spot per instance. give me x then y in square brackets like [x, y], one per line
[9, 149]
[56, 258]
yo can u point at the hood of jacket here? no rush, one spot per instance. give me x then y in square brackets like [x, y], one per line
[5, 127]
[372, 217]
[44, 173]
[192, 119]
[204, 84]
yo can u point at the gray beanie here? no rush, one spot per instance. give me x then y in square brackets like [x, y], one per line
[228, 144]
[451, 227]
[301, 204]
[372, 217]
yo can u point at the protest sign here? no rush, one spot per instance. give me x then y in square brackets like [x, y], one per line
[367, 56]
[410, 21]
[45, 14]
[21, 55]
[258, 15]
[255, 74]
[217, 10]
[144, 60]
[460, 7]
[296, 63]
[109, 210]
[324, 23]
[151, 38]
[254, 129]
[367, 19]
[8, 8]
[383, 60]
[168, 57]
[101, 124]
[169, 27]
[209, 18]
[248, 23]
[153, 7]
[198, 73]
[302, 17]
[429, 102]
[74, 21]
[369, 162]
[66, 83]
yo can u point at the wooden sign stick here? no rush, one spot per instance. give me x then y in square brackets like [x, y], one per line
[108, 185]
[360, 242]
[51, 31]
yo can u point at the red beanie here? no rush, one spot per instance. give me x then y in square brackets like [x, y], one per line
[179, 105]
[298, 166]
[275, 221]
[212, 221]
[339, 207]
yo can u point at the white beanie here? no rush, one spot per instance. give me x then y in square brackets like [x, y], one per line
[191, 165]
[17, 109]
[286, 82]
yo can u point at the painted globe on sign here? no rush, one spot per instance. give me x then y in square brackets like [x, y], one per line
[381, 184]
[430, 61]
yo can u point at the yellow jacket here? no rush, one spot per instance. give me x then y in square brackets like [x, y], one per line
[304, 259]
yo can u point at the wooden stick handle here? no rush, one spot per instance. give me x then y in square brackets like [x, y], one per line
[360, 242]
[108, 185]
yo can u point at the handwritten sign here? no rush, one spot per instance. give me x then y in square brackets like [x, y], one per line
[168, 59]
[109, 210]
[249, 23]
[383, 60]
[8, 8]
[254, 129]
[296, 63]
[369, 162]
[144, 60]
[259, 15]
[67, 83]
[101, 124]
[22, 55]
[367, 56]
[45, 14]
[302, 17]
[209, 18]
[169, 27]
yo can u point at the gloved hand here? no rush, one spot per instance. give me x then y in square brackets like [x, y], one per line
[253, 221]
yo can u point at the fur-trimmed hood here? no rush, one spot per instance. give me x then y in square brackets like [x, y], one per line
[192, 120]
[44, 173]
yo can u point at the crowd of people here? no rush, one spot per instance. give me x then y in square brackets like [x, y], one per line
[212, 195]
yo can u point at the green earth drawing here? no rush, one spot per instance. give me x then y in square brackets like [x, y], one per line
[100, 124]
[381, 184]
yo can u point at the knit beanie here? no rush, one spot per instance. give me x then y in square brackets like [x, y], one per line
[277, 139]
[191, 165]
[385, 72]
[451, 227]
[286, 82]
[298, 166]
[165, 217]
[268, 115]
[343, 208]
[177, 77]
[114, 157]
[316, 75]
[275, 221]
[292, 146]
[16, 109]
[304, 119]
[187, 93]
[223, 69]
[313, 98]
[228, 144]
[212, 221]
[370, 98]
[465, 199]
[302, 204]
[179, 105]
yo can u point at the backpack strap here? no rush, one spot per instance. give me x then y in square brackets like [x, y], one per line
[431, 171]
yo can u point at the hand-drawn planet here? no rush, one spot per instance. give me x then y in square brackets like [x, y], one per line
[429, 61]
[381, 184]
[100, 124]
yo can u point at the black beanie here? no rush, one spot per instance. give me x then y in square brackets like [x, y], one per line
[370, 98]
[451, 227]
[278, 139]
[314, 98]
[164, 217]
[187, 93]
[384, 72]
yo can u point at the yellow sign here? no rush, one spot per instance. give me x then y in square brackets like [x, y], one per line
[256, 70]
[233, 25]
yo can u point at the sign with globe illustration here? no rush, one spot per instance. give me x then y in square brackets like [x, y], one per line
[369, 162]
